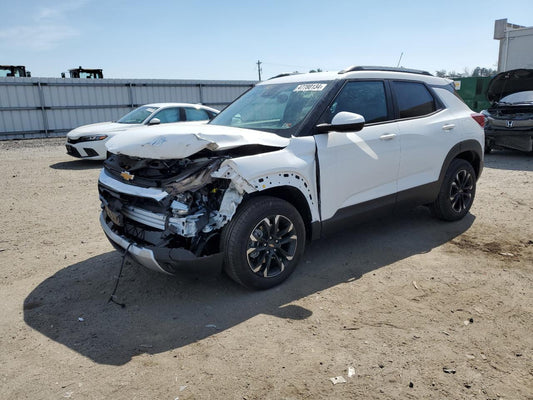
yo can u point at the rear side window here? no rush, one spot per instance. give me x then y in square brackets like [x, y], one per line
[414, 99]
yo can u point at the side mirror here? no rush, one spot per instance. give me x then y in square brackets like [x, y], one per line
[154, 121]
[343, 122]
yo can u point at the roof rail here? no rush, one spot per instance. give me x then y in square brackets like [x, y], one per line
[284, 74]
[388, 69]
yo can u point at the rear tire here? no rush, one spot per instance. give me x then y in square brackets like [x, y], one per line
[457, 192]
[263, 242]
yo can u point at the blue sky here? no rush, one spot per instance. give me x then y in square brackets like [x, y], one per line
[224, 39]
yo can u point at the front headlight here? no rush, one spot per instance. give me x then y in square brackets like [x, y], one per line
[92, 138]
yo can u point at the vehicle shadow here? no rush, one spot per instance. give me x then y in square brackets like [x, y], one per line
[509, 160]
[78, 165]
[165, 313]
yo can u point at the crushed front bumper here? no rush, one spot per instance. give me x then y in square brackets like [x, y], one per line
[162, 259]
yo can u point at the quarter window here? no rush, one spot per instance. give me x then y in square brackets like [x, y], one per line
[414, 99]
[366, 98]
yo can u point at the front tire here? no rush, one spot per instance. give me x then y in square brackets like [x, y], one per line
[457, 192]
[263, 242]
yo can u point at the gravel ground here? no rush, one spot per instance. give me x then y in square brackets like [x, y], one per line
[408, 307]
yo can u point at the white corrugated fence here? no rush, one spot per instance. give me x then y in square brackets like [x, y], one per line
[50, 107]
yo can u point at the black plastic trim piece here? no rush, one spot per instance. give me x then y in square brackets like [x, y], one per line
[324, 128]
[358, 213]
[472, 146]
[417, 196]
[316, 230]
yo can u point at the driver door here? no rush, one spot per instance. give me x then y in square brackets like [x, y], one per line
[356, 167]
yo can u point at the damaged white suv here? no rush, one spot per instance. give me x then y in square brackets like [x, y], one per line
[285, 163]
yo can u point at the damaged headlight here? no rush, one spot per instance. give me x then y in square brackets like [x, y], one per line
[200, 203]
[194, 178]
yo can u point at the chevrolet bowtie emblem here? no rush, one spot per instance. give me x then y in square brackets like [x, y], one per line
[126, 176]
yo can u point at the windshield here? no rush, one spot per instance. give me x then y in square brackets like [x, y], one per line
[137, 116]
[519, 97]
[278, 108]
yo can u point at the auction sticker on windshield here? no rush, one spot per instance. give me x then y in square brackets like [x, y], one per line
[310, 87]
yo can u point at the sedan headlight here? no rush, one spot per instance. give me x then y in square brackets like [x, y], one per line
[92, 138]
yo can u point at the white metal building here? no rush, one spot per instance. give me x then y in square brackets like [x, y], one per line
[516, 45]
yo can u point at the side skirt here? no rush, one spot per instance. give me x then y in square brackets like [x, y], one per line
[379, 208]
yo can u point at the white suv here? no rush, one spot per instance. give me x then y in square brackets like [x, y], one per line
[286, 162]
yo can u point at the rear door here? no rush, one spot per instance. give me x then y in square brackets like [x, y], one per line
[356, 167]
[426, 130]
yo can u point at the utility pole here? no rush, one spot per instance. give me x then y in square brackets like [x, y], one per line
[259, 69]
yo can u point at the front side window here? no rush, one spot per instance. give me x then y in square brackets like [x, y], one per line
[414, 99]
[279, 108]
[366, 98]
[168, 115]
[137, 116]
[195, 114]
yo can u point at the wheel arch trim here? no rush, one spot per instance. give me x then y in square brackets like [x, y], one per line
[296, 198]
[469, 150]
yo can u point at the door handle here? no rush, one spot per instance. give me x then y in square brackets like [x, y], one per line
[388, 136]
[448, 127]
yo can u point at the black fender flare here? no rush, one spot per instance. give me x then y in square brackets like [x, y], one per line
[469, 150]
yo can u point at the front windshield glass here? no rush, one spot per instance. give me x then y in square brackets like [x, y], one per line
[137, 116]
[519, 97]
[278, 108]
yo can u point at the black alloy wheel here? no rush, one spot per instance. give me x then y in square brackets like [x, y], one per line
[461, 191]
[271, 246]
[456, 193]
[263, 242]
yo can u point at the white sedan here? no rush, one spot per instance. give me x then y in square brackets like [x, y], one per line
[88, 141]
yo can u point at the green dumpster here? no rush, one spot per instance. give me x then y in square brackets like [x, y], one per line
[473, 91]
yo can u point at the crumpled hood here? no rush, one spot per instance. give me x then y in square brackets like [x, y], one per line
[99, 128]
[509, 82]
[173, 142]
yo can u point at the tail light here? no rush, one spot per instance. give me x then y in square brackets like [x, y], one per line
[479, 118]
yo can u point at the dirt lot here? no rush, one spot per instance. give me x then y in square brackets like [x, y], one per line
[418, 308]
